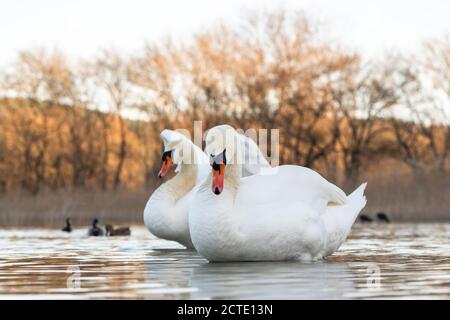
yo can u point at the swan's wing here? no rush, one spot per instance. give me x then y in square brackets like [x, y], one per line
[338, 220]
[254, 160]
[286, 186]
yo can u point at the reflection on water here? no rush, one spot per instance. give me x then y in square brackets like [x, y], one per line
[377, 261]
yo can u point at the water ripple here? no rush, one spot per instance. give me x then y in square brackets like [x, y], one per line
[394, 261]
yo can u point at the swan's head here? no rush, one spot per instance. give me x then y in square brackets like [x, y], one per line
[167, 163]
[174, 144]
[221, 142]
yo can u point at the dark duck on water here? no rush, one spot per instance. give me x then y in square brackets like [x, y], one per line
[94, 230]
[68, 227]
[383, 217]
[111, 231]
[365, 218]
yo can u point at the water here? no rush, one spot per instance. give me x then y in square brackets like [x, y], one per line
[394, 261]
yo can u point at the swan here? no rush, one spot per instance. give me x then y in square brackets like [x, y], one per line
[166, 212]
[288, 213]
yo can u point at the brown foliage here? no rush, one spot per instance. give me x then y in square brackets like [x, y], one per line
[69, 126]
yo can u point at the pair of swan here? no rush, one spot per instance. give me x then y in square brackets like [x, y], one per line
[167, 210]
[231, 208]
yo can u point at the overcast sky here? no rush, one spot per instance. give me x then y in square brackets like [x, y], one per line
[80, 27]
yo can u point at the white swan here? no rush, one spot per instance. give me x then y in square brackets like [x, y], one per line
[166, 212]
[293, 213]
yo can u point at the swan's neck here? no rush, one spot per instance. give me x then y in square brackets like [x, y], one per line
[183, 182]
[232, 177]
[161, 216]
[216, 215]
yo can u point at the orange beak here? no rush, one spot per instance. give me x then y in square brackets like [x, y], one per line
[166, 164]
[218, 175]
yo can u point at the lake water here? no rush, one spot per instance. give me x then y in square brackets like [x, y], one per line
[393, 261]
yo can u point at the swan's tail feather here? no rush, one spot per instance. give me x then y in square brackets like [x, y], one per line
[357, 197]
[356, 201]
[337, 195]
[339, 219]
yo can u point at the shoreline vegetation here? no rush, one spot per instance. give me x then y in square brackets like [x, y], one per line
[401, 201]
[82, 139]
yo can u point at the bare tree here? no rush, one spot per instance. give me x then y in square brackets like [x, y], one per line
[424, 138]
[111, 75]
[39, 80]
[362, 97]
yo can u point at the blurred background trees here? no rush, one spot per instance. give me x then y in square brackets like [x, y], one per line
[94, 125]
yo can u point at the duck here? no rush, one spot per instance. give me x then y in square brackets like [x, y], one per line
[166, 211]
[111, 231]
[95, 231]
[68, 227]
[286, 213]
[383, 217]
[365, 218]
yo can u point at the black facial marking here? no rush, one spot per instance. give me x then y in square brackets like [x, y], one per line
[224, 156]
[166, 154]
[215, 166]
[219, 159]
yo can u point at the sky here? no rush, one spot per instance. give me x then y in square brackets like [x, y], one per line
[79, 28]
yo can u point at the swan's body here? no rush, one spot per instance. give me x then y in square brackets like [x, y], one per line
[251, 157]
[291, 214]
[166, 212]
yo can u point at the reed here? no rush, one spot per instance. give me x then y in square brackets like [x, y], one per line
[50, 209]
[402, 198]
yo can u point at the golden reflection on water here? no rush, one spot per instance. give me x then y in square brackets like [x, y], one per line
[377, 261]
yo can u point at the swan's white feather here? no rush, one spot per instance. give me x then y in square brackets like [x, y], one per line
[292, 213]
[166, 212]
[254, 161]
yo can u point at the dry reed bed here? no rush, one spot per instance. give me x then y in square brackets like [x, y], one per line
[402, 198]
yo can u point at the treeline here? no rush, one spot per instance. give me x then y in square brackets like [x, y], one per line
[96, 123]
